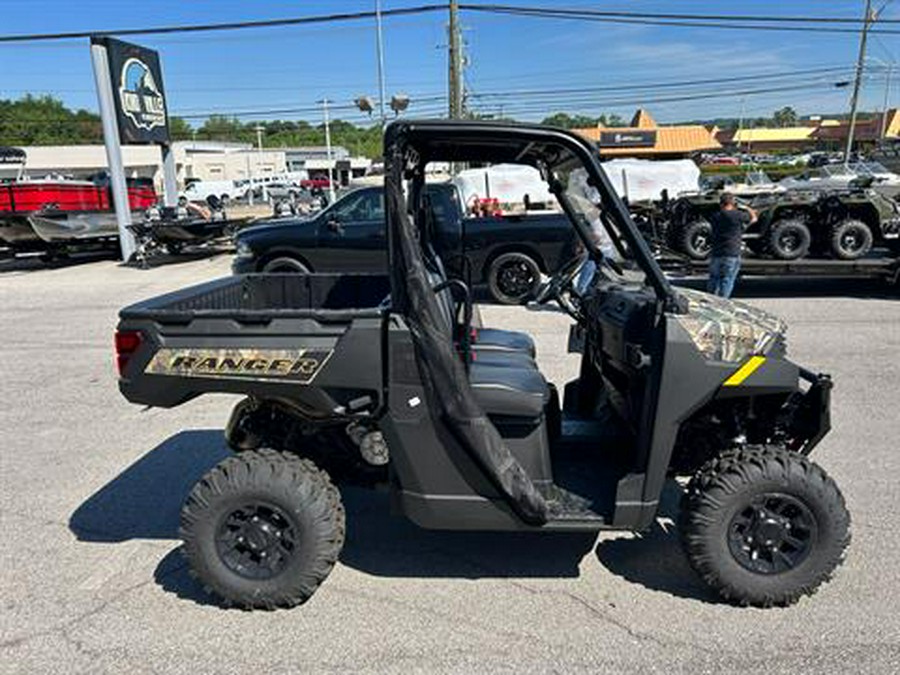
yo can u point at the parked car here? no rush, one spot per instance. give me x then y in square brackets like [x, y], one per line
[224, 190]
[507, 253]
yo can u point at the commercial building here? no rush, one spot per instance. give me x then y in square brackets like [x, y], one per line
[645, 138]
[814, 133]
[206, 160]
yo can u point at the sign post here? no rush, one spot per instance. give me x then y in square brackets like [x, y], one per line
[133, 112]
[113, 149]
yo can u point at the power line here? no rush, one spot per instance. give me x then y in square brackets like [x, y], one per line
[586, 15]
[657, 15]
[668, 85]
[744, 22]
[233, 25]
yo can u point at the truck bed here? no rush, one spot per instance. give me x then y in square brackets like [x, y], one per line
[313, 341]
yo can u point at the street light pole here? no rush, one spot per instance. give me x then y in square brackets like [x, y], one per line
[380, 49]
[259, 129]
[860, 65]
[325, 102]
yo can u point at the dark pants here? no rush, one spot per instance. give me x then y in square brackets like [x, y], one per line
[722, 275]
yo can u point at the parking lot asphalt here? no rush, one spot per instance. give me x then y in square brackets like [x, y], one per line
[90, 488]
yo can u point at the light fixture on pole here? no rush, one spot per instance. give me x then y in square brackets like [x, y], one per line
[399, 103]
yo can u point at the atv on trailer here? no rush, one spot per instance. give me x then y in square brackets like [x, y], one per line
[844, 224]
[343, 371]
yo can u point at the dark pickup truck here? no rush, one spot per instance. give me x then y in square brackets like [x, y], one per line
[507, 253]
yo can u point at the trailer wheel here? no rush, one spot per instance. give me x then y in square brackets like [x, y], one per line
[850, 239]
[788, 239]
[764, 526]
[263, 529]
[695, 239]
[513, 278]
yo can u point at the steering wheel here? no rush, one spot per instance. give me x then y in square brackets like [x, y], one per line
[555, 288]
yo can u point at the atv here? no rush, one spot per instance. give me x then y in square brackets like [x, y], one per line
[387, 381]
[841, 224]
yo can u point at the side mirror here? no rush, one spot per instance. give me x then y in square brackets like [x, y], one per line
[335, 226]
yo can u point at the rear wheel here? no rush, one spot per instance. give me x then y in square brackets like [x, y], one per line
[513, 278]
[263, 529]
[285, 265]
[788, 239]
[764, 526]
[695, 239]
[850, 239]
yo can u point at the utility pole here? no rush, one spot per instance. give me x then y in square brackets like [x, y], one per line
[380, 49]
[741, 122]
[325, 103]
[887, 94]
[455, 63]
[860, 65]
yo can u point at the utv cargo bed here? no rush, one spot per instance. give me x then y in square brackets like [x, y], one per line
[259, 334]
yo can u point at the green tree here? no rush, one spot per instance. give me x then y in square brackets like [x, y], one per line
[180, 129]
[785, 117]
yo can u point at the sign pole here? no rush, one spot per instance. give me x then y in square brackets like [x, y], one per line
[170, 185]
[117, 182]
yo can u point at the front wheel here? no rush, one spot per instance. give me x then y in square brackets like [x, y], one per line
[263, 529]
[513, 278]
[764, 526]
[695, 239]
[284, 265]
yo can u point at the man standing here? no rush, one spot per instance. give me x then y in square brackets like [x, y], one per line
[728, 226]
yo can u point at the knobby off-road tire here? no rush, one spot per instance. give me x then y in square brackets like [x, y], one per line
[733, 530]
[789, 239]
[695, 239]
[263, 529]
[850, 239]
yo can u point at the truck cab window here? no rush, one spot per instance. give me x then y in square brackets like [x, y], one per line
[366, 206]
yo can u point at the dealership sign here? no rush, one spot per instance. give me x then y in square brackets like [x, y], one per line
[627, 139]
[140, 100]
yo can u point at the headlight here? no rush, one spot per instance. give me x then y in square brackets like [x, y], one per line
[723, 330]
[243, 250]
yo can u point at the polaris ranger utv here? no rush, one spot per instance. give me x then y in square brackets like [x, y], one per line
[343, 371]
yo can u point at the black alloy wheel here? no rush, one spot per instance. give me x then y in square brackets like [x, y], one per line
[256, 540]
[774, 533]
[513, 278]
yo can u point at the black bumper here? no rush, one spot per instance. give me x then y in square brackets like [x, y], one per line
[243, 265]
[812, 417]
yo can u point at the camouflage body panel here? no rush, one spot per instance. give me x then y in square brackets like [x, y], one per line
[725, 330]
[292, 365]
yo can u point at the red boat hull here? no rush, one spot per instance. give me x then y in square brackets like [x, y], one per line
[29, 197]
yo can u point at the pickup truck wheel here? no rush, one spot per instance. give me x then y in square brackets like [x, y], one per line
[285, 265]
[513, 278]
[764, 526]
[263, 529]
[695, 239]
[850, 239]
[788, 239]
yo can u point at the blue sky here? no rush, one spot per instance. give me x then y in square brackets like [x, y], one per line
[293, 67]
